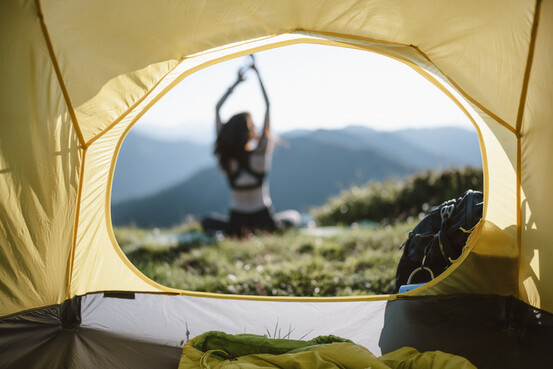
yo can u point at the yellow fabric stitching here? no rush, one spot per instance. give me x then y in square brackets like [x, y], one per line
[59, 75]
[280, 44]
[528, 67]
[75, 226]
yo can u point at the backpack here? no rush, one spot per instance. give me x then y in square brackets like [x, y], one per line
[438, 239]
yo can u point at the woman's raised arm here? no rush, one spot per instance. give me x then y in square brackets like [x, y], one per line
[218, 121]
[267, 124]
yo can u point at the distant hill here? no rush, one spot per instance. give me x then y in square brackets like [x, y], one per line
[305, 172]
[146, 166]
[451, 146]
[308, 168]
[435, 148]
[205, 191]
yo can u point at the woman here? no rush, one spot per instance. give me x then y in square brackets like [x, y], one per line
[245, 158]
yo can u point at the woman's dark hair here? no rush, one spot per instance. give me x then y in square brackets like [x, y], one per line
[232, 139]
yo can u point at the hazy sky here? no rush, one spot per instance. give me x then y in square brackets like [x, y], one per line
[309, 86]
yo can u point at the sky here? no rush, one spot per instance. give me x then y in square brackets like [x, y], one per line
[309, 87]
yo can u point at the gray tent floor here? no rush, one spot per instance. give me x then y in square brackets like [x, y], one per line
[491, 331]
[88, 348]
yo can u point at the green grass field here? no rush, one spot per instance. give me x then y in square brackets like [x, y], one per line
[329, 261]
[337, 261]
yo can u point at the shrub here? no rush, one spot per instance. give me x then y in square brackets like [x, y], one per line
[393, 201]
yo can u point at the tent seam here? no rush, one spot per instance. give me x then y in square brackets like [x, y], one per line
[483, 151]
[139, 101]
[136, 271]
[345, 35]
[461, 91]
[428, 288]
[58, 74]
[28, 311]
[222, 296]
[520, 116]
[133, 106]
[165, 289]
[528, 68]
[75, 227]
[107, 203]
[432, 80]
[466, 95]
[519, 210]
[111, 236]
[108, 220]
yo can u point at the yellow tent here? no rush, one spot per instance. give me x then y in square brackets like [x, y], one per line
[76, 76]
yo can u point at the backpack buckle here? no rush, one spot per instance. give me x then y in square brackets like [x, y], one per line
[446, 211]
[421, 268]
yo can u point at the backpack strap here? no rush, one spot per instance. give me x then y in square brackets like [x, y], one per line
[443, 241]
[446, 212]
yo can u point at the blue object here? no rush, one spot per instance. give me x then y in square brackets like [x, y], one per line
[409, 287]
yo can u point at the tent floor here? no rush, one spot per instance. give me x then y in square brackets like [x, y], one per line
[491, 331]
[88, 348]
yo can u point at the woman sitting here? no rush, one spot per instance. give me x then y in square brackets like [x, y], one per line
[245, 158]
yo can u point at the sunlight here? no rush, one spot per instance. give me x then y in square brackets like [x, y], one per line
[310, 86]
[330, 106]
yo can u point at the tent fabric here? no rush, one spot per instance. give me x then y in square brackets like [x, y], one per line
[76, 76]
[409, 358]
[220, 350]
[235, 345]
[123, 330]
[54, 337]
[40, 164]
[535, 152]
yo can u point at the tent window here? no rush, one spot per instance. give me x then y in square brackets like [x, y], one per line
[357, 135]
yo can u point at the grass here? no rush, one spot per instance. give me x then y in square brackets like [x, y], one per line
[341, 261]
[392, 201]
[360, 259]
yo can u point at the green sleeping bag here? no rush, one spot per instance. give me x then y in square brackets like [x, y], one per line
[218, 350]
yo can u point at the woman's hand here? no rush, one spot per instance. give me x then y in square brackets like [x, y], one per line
[242, 74]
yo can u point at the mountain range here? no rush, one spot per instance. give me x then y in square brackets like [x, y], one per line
[146, 165]
[182, 179]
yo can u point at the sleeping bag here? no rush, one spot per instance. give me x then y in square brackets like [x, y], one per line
[218, 350]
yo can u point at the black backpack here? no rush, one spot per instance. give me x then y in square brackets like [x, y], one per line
[438, 240]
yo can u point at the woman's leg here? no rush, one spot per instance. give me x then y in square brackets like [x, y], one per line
[241, 224]
[287, 219]
[215, 222]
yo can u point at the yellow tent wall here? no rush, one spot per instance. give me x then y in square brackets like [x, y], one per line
[39, 174]
[77, 75]
[536, 170]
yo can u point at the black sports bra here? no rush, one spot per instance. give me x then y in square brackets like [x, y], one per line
[244, 166]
